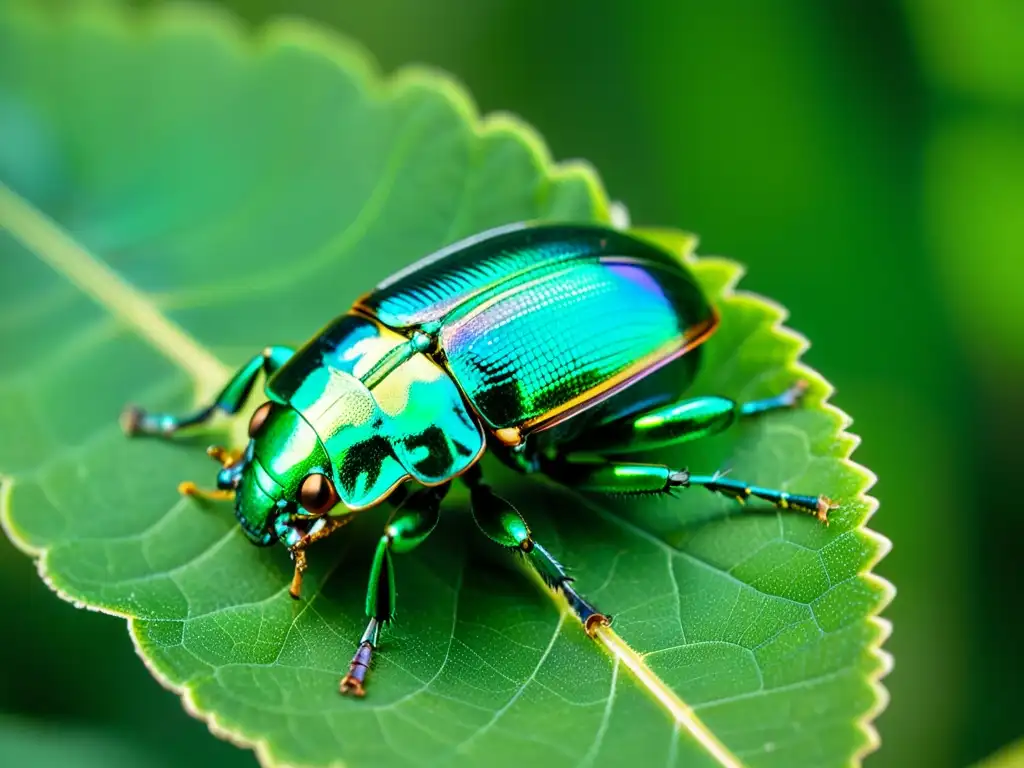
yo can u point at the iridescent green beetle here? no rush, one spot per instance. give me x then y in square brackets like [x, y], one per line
[555, 346]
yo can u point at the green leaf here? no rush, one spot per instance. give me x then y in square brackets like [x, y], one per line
[181, 193]
[976, 55]
[973, 236]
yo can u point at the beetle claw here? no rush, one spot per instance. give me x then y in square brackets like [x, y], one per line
[825, 505]
[795, 393]
[353, 683]
[130, 418]
[295, 590]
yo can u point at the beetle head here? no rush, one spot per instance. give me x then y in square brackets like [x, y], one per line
[283, 479]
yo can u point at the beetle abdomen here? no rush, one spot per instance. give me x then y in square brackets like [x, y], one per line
[534, 354]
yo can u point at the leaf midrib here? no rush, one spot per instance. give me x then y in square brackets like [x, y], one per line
[50, 243]
[53, 245]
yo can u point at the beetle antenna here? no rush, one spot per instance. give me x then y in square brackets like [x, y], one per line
[226, 456]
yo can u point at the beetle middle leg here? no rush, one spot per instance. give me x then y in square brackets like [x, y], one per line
[297, 539]
[503, 525]
[407, 529]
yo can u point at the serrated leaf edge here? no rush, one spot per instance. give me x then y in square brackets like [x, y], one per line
[881, 544]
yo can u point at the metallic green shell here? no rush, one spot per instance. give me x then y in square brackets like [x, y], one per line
[413, 424]
[536, 324]
[558, 343]
[427, 291]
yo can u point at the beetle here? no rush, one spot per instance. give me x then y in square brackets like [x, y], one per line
[557, 347]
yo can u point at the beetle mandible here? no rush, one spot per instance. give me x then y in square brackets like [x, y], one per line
[558, 347]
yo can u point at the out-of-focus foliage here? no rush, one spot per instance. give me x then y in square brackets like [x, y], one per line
[975, 219]
[971, 52]
[1010, 756]
[972, 58]
[798, 137]
[30, 744]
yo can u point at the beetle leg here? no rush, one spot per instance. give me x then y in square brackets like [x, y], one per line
[678, 422]
[408, 528]
[819, 506]
[599, 476]
[136, 421]
[295, 588]
[297, 535]
[788, 399]
[502, 524]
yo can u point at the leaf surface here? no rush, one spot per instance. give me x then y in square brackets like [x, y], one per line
[180, 194]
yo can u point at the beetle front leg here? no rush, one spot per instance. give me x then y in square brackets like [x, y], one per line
[600, 476]
[136, 421]
[502, 524]
[293, 537]
[407, 529]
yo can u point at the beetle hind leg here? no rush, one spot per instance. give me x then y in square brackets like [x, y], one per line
[788, 399]
[665, 426]
[819, 506]
[679, 422]
[502, 524]
[615, 477]
[297, 535]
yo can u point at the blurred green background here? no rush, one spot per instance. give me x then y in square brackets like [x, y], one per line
[865, 159]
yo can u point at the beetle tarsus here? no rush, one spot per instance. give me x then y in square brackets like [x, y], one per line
[130, 418]
[819, 506]
[825, 505]
[137, 421]
[588, 615]
[594, 621]
[788, 399]
[354, 683]
[795, 393]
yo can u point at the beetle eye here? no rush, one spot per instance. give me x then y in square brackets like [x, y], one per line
[258, 418]
[317, 494]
